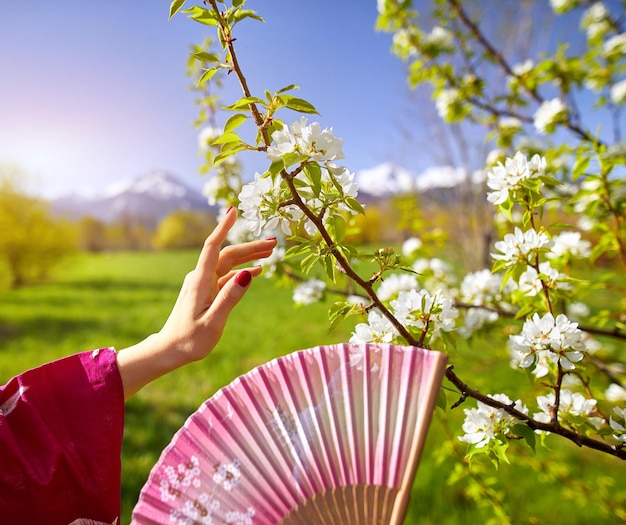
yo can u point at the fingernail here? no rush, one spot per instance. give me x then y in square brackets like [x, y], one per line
[229, 209]
[243, 278]
[271, 239]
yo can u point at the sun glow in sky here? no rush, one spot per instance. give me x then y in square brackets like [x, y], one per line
[94, 92]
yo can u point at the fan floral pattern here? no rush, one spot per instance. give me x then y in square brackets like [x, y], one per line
[338, 425]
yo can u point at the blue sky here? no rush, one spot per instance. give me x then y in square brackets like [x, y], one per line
[94, 92]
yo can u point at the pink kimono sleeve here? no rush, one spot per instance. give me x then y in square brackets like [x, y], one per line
[61, 428]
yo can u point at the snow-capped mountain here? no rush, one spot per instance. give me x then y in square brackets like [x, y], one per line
[388, 179]
[148, 199]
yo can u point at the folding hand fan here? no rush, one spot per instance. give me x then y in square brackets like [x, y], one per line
[332, 434]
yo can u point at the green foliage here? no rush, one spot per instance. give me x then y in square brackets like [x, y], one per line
[118, 298]
[183, 229]
[32, 242]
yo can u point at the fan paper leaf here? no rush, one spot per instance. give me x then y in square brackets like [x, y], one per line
[330, 434]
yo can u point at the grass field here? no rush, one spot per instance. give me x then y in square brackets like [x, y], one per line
[118, 299]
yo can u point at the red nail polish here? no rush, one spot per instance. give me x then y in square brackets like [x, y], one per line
[271, 239]
[229, 209]
[243, 278]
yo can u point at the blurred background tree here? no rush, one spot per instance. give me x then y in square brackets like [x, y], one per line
[31, 240]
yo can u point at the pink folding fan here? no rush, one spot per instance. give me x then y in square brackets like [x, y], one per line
[328, 435]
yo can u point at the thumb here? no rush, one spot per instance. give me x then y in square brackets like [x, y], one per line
[228, 297]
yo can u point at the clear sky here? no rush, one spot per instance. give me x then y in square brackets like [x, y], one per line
[94, 92]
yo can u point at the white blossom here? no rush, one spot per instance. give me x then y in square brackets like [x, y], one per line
[570, 244]
[519, 70]
[483, 288]
[307, 139]
[207, 135]
[508, 176]
[402, 42]
[309, 292]
[557, 340]
[618, 92]
[562, 6]
[484, 423]
[577, 311]
[378, 329]
[517, 246]
[595, 20]
[510, 123]
[494, 157]
[523, 67]
[260, 202]
[570, 403]
[410, 246]
[434, 274]
[445, 101]
[618, 424]
[421, 309]
[615, 393]
[530, 284]
[270, 263]
[395, 283]
[616, 45]
[474, 319]
[548, 114]
[440, 38]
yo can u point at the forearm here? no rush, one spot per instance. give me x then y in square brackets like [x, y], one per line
[146, 361]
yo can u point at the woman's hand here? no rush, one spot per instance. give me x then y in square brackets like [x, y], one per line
[194, 327]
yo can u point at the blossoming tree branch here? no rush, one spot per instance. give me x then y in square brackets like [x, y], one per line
[535, 282]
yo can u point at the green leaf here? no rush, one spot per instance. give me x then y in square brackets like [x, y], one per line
[204, 16]
[442, 401]
[226, 138]
[313, 173]
[287, 88]
[224, 154]
[234, 122]
[203, 56]
[308, 262]
[175, 7]
[339, 311]
[329, 266]
[289, 159]
[206, 76]
[527, 433]
[244, 103]
[337, 227]
[240, 14]
[275, 167]
[354, 205]
[297, 250]
[298, 104]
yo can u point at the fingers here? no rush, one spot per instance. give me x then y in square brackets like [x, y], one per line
[214, 258]
[228, 297]
[209, 255]
[239, 254]
[254, 271]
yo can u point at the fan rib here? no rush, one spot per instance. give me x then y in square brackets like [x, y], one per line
[235, 445]
[301, 447]
[328, 435]
[314, 399]
[337, 447]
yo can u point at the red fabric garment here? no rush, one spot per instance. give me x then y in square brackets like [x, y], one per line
[61, 428]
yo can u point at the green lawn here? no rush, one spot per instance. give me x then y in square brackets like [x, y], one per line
[117, 299]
